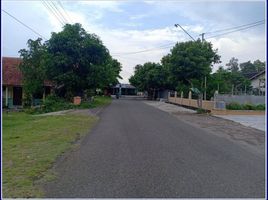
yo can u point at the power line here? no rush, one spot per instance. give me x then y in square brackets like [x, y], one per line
[227, 29]
[127, 58]
[168, 45]
[235, 27]
[24, 24]
[68, 16]
[51, 4]
[235, 31]
[59, 12]
[51, 10]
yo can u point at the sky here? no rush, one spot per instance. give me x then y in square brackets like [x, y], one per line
[138, 31]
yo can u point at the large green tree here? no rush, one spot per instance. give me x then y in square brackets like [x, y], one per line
[79, 61]
[248, 68]
[260, 66]
[149, 77]
[226, 81]
[33, 68]
[189, 62]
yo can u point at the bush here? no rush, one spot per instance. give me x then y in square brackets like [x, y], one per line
[201, 111]
[260, 107]
[248, 107]
[237, 106]
[234, 106]
[52, 103]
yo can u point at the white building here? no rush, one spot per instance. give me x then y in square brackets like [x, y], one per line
[258, 82]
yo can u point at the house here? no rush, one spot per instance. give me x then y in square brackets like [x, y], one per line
[126, 89]
[12, 83]
[258, 82]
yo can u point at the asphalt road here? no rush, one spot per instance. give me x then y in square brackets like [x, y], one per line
[139, 151]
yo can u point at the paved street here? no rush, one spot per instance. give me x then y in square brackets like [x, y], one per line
[138, 151]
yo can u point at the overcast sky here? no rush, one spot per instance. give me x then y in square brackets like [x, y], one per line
[130, 26]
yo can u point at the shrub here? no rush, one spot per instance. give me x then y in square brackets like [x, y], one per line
[53, 103]
[234, 106]
[201, 111]
[260, 107]
[248, 107]
[237, 106]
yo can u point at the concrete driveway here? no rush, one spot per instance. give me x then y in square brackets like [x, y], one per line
[254, 121]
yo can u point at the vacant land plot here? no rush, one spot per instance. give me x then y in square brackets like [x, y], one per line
[31, 145]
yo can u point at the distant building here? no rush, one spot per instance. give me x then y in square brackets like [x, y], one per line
[12, 83]
[258, 82]
[126, 89]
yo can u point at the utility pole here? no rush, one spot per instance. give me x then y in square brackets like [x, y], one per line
[205, 93]
[120, 89]
[176, 25]
[202, 34]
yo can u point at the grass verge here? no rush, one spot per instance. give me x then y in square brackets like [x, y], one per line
[31, 145]
[53, 104]
[237, 106]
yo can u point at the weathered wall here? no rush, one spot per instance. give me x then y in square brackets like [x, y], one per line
[242, 99]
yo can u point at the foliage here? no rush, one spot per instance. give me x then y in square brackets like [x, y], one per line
[233, 65]
[79, 61]
[260, 66]
[98, 101]
[72, 59]
[237, 106]
[149, 77]
[189, 62]
[33, 68]
[186, 66]
[31, 145]
[54, 103]
[224, 81]
[247, 68]
[201, 111]
[260, 107]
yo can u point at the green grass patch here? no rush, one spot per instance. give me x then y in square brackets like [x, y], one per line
[98, 101]
[201, 111]
[31, 145]
[237, 106]
[53, 104]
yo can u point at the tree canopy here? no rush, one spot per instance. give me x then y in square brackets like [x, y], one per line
[189, 61]
[33, 67]
[149, 77]
[187, 65]
[79, 61]
[233, 65]
[74, 60]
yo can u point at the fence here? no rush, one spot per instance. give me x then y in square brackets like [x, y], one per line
[207, 105]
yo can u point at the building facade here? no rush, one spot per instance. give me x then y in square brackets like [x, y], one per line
[12, 83]
[124, 89]
[258, 82]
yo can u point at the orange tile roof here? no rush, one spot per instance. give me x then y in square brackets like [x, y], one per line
[11, 75]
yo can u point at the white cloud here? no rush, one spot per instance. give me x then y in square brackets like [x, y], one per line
[140, 16]
[113, 6]
[120, 42]
[244, 46]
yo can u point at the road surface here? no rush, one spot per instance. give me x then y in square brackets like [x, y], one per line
[138, 151]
